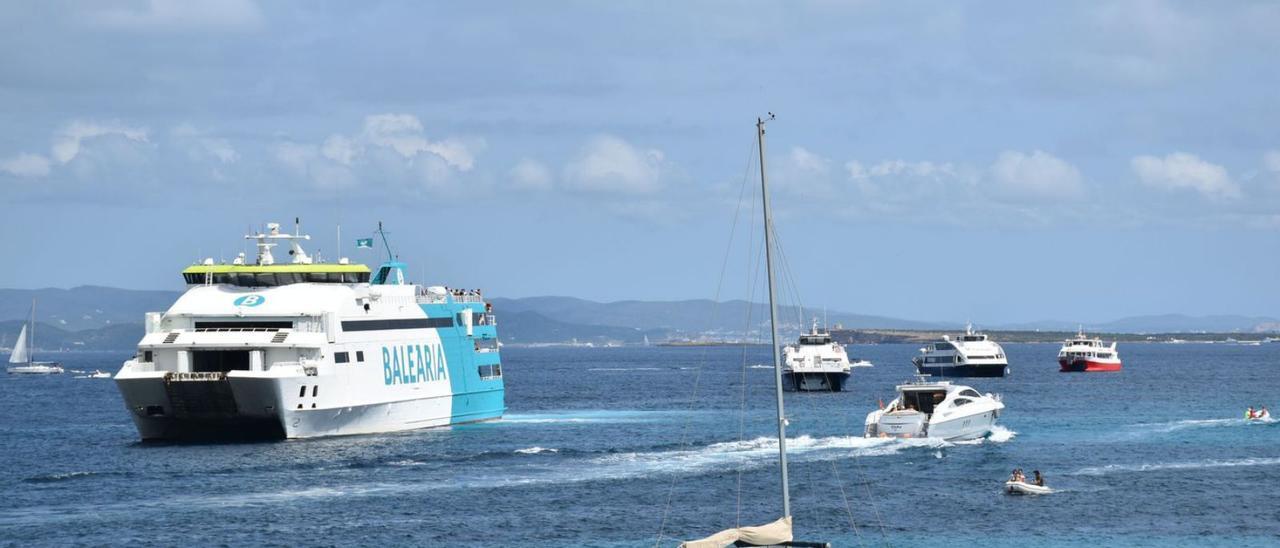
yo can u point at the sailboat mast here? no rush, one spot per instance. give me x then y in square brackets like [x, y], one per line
[773, 322]
[31, 335]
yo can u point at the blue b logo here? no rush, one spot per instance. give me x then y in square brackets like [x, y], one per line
[250, 300]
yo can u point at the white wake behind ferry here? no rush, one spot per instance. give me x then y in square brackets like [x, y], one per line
[303, 349]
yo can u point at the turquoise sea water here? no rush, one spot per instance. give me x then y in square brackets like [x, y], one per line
[599, 445]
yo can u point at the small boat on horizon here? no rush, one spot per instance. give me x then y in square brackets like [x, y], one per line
[970, 355]
[20, 361]
[1084, 354]
[935, 409]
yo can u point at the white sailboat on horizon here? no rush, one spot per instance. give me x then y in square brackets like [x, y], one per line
[20, 361]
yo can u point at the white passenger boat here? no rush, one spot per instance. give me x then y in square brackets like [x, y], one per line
[20, 361]
[969, 355]
[1081, 353]
[939, 409]
[1024, 488]
[816, 363]
[307, 349]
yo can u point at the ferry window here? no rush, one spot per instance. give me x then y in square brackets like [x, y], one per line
[146, 356]
[341, 357]
[381, 278]
[942, 346]
[315, 390]
[302, 391]
[360, 355]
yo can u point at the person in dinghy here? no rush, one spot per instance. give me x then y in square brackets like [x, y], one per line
[1260, 415]
[1018, 484]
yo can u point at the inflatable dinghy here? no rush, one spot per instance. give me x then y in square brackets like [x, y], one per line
[1024, 488]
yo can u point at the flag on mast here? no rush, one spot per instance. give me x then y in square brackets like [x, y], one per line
[364, 242]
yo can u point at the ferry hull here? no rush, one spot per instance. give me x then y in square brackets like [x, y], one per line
[1088, 366]
[268, 408]
[967, 370]
[814, 382]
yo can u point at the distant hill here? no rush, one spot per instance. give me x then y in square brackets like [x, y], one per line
[1164, 323]
[83, 307]
[690, 316]
[105, 317]
[51, 337]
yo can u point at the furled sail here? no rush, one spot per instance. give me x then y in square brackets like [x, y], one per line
[764, 535]
[21, 354]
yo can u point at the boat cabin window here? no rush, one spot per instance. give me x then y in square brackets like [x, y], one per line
[942, 346]
[961, 401]
[341, 357]
[814, 340]
[923, 400]
[388, 275]
[219, 361]
[971, 393]
[274, 279]
[971, 338]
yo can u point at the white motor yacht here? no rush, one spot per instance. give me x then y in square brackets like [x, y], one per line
[969, 355]
[937, 409]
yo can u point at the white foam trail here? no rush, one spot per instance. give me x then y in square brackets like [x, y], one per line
[759, 366]
[587, 417]
[626, 369]
[1166, 427]
[535, 450]
[1000, 434]
[1155, 467]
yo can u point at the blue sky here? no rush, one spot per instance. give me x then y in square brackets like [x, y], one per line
[996, 161]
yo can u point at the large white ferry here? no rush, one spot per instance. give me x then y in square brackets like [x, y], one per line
[304, 349]
[969, 355]
[817, 363]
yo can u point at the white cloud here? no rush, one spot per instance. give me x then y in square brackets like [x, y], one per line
[1181, 170]
[404, 134]
[804, 160]
[172, 15]
[305, 161]
[201, 146]
[390, 148]
[26, 165]
[888, 168]
[1271, 160]
[340, 149]
[67, 144]
[530, 174]
[608, 164]
[1038, 174]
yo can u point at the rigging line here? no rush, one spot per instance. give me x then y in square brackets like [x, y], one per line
[754, 260]
[742, 403]
[715, 311]
[789, 276]
[848, 509]
[866, 484]
[835, 470]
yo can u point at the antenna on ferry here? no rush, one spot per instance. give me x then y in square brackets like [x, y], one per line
[383, 234]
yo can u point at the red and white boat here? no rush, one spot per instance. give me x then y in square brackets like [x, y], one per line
[1082, 353]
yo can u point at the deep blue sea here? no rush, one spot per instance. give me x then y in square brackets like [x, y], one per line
[611, 446]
